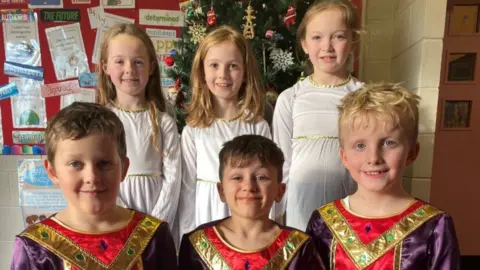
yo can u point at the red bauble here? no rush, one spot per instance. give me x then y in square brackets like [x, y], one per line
[169, 61]
[211, 17]
[290, 17]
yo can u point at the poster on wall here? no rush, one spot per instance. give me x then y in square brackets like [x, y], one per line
[21, 42]
[118, 3]
[45, 3]
[28, 112]
[28, 107]
[110, 20]
[27, 87]
[68, 51]
[39, 197]
[84, 95]
[164, 43]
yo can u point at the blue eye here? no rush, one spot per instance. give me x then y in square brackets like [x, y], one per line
[360, 146]
[390, 143]
[74, 164]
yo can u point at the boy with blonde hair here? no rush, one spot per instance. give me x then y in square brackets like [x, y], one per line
[87, 159]
[381, 226]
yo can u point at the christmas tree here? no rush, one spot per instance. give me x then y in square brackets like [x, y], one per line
[270, 25]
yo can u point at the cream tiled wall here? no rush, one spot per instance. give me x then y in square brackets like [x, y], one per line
[10, 215]
[404, 44]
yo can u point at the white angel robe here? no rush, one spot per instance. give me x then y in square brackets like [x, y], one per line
[199, 199]
[305, 128]
[153, 179]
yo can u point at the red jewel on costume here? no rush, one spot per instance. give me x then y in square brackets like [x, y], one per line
[290, 16]
[169, 61]
[211, 18]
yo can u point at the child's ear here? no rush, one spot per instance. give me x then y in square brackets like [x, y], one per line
[343, 157]
[304, 45]
[280, 192]
[50, 171]
[126, 164]
[220, 192]
[413, 154]
[104, 67]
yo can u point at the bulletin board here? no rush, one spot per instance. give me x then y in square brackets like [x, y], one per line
[88, 35]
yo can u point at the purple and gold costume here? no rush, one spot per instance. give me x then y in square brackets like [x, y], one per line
[144, 243]
[421, 237]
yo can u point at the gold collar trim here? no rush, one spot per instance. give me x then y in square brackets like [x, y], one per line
[347, 80]
[70, 252]
[212, 257]
[129, 111]
[363, 255]
[287, 252]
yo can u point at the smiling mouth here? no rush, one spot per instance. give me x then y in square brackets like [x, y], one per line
[223, 84]
[375, 173]
[92, 192]
[249, 199]
[328, 58]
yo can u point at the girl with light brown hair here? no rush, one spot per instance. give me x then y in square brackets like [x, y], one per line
[228, 100]
[129, 84]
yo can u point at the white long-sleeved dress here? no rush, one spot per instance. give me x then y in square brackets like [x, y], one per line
[305, 128]
[153, 179]
[199, 199]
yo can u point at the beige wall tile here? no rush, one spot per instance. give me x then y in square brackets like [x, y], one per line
[421, 188]
[401, 5]
[13, 177]
[379, 45]
[431, 63]
[379, 9]
[409, 72]
[6, 252]
[436, 11]
[422, 167]
[428, 109]
[401, 31]
[12, 223]
[5, 189]
[417, 22]
[397, 67]
[377, 71]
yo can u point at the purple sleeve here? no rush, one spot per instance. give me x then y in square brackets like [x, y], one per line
[188, 258]
[20, 259]
[443, 248]
[321, 236]
[160, 252]
[307, 258]
[27, 254]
